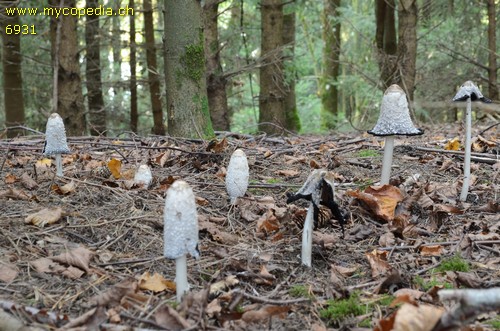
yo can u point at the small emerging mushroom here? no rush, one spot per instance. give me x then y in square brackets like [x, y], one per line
[394, 120]
[143, 176]
[55, 140]
[237, 175]
[468, 92]
[180, 233]
[318, 190]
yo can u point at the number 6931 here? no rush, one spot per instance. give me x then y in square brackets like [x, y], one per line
[20, 29]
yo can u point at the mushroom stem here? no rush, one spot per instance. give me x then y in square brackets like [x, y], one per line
[387, 160]
[468, 124]
[181, 281]
[307, 237]
[59, 171]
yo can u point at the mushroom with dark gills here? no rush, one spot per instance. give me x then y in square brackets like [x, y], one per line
[55, 140]
[318, 189]
[180, 232]
[237, 175]
[468, 92]
[394, 120]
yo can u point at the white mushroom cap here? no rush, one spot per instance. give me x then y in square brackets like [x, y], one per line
[180, 233]
[237, 175]
[470, 90]
[143, 176]
[55, 136]
[394, 116]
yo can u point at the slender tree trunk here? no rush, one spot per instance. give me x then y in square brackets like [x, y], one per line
[65, 56]
[292, 117]
[97, 111]
[386, 41]
[134, 114]
[216, 82]
[272, 87]
[187, 102]
[407, 46]
[116, 34]
[492, 55]
[331, 67]
[12, 78]
[154, 80]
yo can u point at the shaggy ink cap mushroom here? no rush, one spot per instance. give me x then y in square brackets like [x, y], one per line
[55, 136]
[470, 90]
[237, 175]
[143, 176]
[394, 116]
[180, 222]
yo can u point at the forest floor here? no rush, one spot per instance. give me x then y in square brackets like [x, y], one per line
[85, 251]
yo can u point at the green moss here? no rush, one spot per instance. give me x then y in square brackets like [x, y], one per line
[336, 310]
[455, 263]
[202, 106]
[367, 153]
[300, 291]
[385, 300]
[495, 324]
[366, 323]
[426, 285]
[193, 61]
[363, 184]
[273, 180]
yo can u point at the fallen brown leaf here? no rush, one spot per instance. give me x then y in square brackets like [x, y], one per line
[8, 272]
[115, 166]
[264, 313]
[434, 250]
[14, 193]
[155, 282]
[78, 257]
[170, 319]
[10, 178]
[378, 262]
[45, 216]
[28, 182]
[382, 200]
[416, 318]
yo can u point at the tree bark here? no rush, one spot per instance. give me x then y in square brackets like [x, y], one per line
[292, 117]
[492, 55]
[12, 77]
[407, 46]
[97, 111]
[187, 102]
[272, 117]
[386, 41]
[331, 68]
[134, 113]
[216, 82]
[65, 56]
[116, 34]
[153, 77]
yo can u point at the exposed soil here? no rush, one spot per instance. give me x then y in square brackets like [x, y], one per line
[112, 232]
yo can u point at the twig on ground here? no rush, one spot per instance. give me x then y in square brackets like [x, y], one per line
[270, 301]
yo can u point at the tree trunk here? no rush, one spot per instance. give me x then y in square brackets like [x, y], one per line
[492, 55]
[134, 114]
[97, 111]
[12, 78]
[187, 102]
[331, 55]
[407, 46]
[272, 117]
[153, 77]
[65, 56]
[386, 41]
[216, 82]
[292, 117]
[116, 35]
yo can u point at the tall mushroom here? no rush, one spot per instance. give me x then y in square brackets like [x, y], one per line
[468, 92]
[55, 140]
[143, 176]
[394, 120]
[180, 232]
[237, 175]
[318, 189]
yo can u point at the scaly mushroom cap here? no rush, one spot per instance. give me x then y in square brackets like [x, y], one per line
[180, 232]
[237, 175]
[143, 175]
[55, 136]
[470, 90]
[394, 116]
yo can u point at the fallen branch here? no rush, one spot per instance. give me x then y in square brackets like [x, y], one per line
[471, 303]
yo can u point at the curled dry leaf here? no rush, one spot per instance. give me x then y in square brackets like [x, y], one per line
[263, 314]
[434, 250]
[381, 200]
[14, 193]
[416, 318]
[115, 294]
[155, 282]
[170, 319]
[8, 272]
[65, 189]
[387, 239]
[287, 173]
[378, 262]
[115, 166]
[453, 144]
[78, 257]
[45, 216]
[10, 178]
[28, 182]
